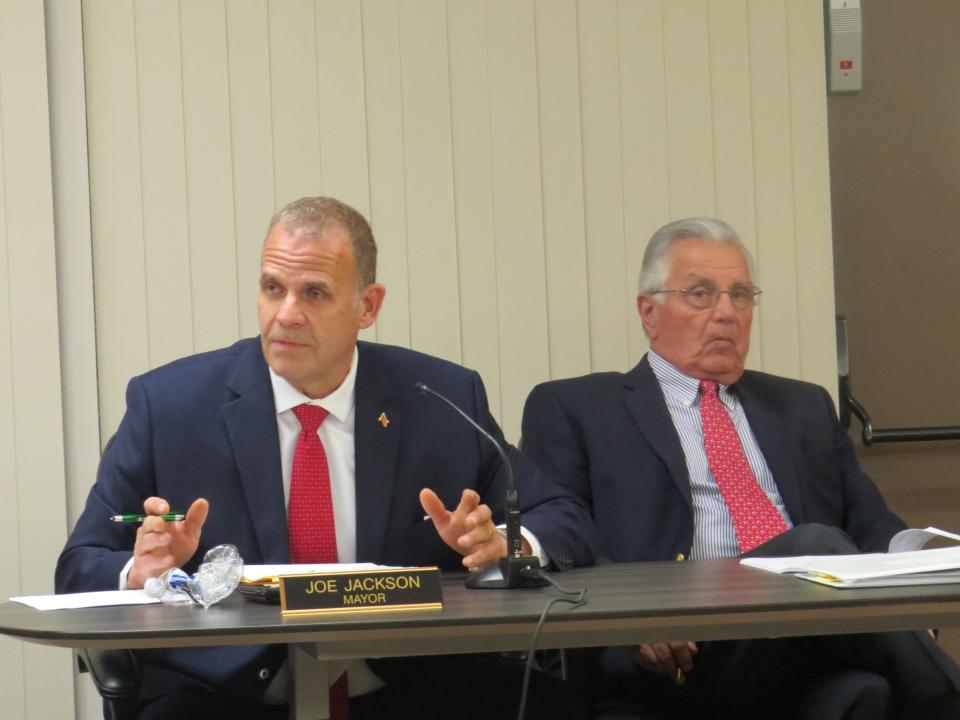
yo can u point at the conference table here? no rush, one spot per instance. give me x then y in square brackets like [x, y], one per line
[625, 604]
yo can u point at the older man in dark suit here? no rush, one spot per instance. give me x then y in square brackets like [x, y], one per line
[222, 434]
[689, 456]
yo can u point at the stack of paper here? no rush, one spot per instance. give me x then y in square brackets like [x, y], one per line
[898, 567]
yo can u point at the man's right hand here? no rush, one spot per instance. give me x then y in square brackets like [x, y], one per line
[162, 544]
[665, 658]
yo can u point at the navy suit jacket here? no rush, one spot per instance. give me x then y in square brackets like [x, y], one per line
[609, 438]
[205, 426]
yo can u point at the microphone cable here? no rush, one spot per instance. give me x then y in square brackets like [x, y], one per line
[575, 598]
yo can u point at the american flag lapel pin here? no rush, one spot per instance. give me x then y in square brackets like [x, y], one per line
[383, 420]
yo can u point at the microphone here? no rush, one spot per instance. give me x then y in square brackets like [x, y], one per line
[517, 570]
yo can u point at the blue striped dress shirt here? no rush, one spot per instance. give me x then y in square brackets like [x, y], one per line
[713, 533]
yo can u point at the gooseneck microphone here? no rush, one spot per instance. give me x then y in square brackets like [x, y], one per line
[517, 569]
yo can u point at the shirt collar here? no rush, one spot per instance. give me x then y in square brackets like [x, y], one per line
[339, 403]
[681, 387]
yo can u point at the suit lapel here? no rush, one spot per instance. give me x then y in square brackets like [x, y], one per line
[252, 427]
[772, 437]
[644, 398]
[377, 426]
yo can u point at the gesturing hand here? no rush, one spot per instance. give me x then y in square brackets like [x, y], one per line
[469, 529]
[163, 544]
[666, 658]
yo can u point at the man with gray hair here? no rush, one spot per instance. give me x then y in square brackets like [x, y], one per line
[690, 456]
[305, 445]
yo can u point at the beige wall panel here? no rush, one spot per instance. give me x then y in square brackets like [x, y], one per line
[732, 132]
[343, 138]
[116, 214]
[561, 161]
[811, 202]
[384, 103]
[293, 78]
[33, 435]
[206, 114]
[518, 207]
[428, 165]
[773, 161]
[164, 181]
[11, 659]
[610, 314]
[646, 198]
[473, 194]
[689, 112]
[251, 123]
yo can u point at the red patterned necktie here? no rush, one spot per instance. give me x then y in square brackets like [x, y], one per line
[755, 518]
[313, 533]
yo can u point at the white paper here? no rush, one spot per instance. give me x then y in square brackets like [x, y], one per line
[914, 538]
[255, 573]
[835, 569]
[73, 601]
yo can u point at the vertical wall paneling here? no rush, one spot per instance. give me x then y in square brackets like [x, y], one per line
[428, 166]
[207, 132]
[251, 122]
[294, 102]
[343, 140]
[166, 246]
[36, 681]
[385, 160]
[71, 207]
[116, 214]
[610, 312]
[811, 183]
[773, 176]
[686, 51]
[473, 194]
[513, 157]
[646, 187]
[732, 138]
[561, 165]
[517, 203]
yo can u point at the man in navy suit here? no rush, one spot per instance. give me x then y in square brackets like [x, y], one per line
[215, 433]
[632, 447]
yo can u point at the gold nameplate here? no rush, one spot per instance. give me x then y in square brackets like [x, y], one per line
[353, 591]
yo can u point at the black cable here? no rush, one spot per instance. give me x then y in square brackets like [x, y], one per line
[576, 598]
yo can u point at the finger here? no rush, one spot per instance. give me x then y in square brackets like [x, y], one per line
[151, 542]
[665, 659]
[152, 524]
[693, 647]
[681, 655]
[486, 553]
[646, 658]
[478, 536]
[468, 503]
[481, 515]
[196, 516]
[433, 506]
[156, 506]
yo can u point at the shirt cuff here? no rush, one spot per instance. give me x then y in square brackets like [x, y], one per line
[122, 584]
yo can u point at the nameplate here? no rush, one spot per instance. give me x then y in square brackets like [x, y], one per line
[358, 591]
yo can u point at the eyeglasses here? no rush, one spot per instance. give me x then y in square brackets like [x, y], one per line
[703, 297]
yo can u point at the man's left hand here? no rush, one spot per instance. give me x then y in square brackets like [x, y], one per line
[469, 529]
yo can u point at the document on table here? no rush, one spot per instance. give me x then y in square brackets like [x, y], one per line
[259, 574]
[74, 601]
[900, 566]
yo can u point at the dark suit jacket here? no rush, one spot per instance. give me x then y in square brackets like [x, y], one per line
[206, 426]
[609, 438]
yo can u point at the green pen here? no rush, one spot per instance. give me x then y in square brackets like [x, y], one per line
[141, 518]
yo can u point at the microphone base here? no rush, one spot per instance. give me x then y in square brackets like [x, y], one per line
[515, 572]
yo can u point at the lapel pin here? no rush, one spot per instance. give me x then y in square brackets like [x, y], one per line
[383, 420]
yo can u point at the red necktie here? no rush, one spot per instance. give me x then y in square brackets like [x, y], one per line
[313, 533]
[755, 518]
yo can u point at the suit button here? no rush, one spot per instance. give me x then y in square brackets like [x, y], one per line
[263, 674]
[680, 557]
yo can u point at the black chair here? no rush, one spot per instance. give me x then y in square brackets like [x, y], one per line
[116, 675]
